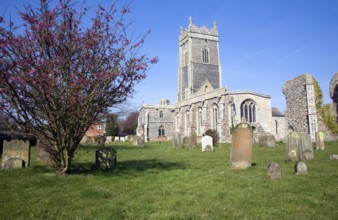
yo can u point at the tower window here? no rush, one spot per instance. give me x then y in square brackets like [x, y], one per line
[161, 114]
[205, 55]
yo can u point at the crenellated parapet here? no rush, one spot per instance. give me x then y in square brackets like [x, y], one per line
[193, 29]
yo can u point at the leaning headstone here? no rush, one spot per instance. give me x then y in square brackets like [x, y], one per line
[301, 168]
[207, 143]
[320, 145]
[292, 147]
[105, 158]
[193, 140]
[333, 157]
[16, 149]
[241, 147]
[306, 147]
[177, 142]
[274, 171]
[185, 141]
[267, 140]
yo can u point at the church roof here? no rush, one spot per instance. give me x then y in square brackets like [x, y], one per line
[276, 113]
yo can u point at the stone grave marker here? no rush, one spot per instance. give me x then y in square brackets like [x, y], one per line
[138, 141]
[122, 139]
[20, 150]
[105, 158]
[109, 139]
[207, 143]
[193, 140]
[42, 155]
[177, 141]
[274, 171]
[306, 147]
[292, 146]
[241, 147]
[320, 145]
[301, 168]
[185, 141]
[116, 139]
[333, 157]
[267, 140]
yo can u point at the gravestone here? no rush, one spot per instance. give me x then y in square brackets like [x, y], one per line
[14, 163]
[109, 139]
[16, 149]
[122, 139]
[177, 141]
[185, 141]
[320, 145]
[306, 147]
[241, 147]
[207, 143]
[301, 168]
[193, 140]
[292, 146]
[333, 157]
[105, 158]
[274, 171]
[42, 155]
[139, 141]
[116, 139]
[267, 140]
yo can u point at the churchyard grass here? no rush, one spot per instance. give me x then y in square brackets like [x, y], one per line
[159, 182]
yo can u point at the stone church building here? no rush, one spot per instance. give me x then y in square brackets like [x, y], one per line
[202, 102]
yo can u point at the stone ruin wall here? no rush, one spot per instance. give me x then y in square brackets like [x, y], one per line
[296, 114]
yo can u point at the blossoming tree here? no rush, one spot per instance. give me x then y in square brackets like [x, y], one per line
[58, 74]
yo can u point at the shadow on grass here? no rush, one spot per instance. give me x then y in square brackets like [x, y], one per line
[126, 167]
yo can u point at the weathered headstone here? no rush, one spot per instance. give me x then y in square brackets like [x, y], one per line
[241, 147]
[41, 154]
[274, 171]
[306, 147]
[207, 143]
[267, 140]
[333, 157]
[122, 139]
[139, 141]
[109, 139]
[185, 141]
[301, 168]
[193, 140]
[116, 139]
[177, 141]
[16, 149]
[14, 163]
[292, 147]
[106, 158]
[320, 145]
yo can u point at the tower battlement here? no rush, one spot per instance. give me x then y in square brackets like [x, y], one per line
[198, 30]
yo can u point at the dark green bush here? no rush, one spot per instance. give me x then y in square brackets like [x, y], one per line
[214, 135]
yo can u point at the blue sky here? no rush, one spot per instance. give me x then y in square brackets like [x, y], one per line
[263, 43]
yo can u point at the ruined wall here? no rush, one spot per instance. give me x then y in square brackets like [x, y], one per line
[301, 113]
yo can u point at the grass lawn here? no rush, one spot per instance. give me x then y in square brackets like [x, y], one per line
[159, 182]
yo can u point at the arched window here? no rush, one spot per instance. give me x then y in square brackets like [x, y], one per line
[161, 131]
[161, 114]
[215, 116]
[248, 111]
[205, 55]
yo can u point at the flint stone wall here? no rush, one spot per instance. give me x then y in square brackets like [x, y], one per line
[296, 114]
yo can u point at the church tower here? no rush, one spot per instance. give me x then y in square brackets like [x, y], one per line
[198, 60]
